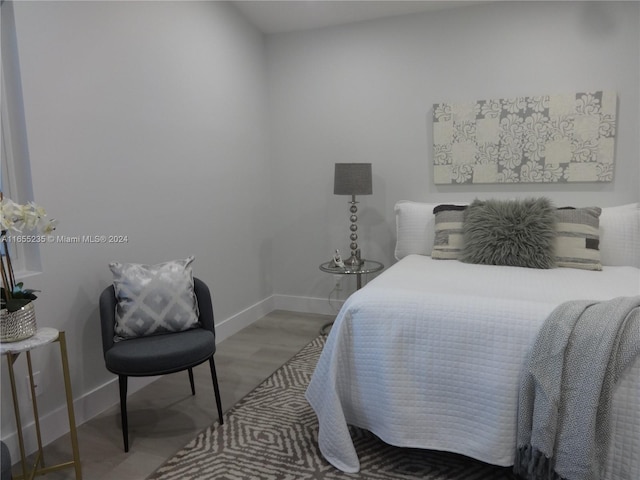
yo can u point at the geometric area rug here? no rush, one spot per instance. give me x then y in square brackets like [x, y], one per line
[272, 434]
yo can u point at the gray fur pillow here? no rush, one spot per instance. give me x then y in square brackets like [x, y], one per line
[517, 233]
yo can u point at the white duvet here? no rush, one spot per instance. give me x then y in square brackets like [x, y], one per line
[428, 355]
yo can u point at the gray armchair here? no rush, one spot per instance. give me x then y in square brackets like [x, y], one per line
[159, 354]
[5, 462]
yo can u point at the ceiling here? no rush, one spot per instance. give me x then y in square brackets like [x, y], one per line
[293, 15]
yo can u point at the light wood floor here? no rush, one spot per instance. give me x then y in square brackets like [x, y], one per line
[164, 416]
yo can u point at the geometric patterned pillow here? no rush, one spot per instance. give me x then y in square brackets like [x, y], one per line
[448, 240]
[577, 242]
[154, 299]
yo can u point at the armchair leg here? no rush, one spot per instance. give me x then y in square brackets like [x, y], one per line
[193, 387]
[123, 411]
[214, 378]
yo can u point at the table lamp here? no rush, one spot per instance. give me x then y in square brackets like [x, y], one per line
[353, 179]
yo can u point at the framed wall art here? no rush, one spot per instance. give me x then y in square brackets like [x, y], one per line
[538, 139]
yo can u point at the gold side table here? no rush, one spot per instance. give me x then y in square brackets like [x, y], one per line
[12, 350]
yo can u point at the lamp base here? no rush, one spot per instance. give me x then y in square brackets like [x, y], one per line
[353, 261]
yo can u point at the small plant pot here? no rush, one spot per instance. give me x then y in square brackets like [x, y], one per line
[18, 325]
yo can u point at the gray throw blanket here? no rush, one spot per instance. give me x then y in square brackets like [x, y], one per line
[566, 388]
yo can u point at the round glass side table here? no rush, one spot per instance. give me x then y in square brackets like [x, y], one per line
[369, 266]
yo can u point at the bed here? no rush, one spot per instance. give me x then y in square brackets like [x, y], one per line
[429, 354]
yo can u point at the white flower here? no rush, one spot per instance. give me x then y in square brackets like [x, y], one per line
[8, 214]
[48, 226]
[29, 217]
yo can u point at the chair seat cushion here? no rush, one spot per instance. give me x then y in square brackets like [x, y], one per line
[161, 354]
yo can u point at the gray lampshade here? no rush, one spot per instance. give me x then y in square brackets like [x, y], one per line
[352, 179]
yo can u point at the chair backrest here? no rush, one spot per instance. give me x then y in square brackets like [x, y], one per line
[108, 311]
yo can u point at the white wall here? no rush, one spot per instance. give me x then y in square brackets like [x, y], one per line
[364, 93]
[144, 119]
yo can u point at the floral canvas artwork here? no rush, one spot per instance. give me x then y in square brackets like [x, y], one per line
[537, 139]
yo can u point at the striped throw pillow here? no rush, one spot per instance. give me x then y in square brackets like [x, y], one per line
[577, 242]
[448, 240]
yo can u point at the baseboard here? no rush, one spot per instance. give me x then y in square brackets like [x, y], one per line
[243, 319]
[320, 306]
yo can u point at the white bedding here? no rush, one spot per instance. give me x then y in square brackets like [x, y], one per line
[428, 355]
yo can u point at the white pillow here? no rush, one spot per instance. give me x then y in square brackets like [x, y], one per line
[415, 227]
[620, 235]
